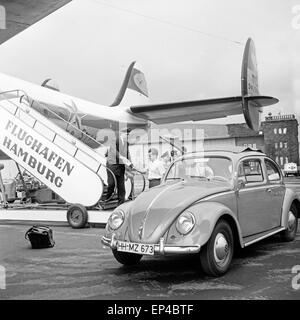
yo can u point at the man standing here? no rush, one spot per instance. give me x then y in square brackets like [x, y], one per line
[155, 168]
[117, 157]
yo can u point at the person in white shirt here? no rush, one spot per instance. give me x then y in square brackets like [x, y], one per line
[166, 159]
[155, 168]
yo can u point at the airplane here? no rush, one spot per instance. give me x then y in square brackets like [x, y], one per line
[83, 119]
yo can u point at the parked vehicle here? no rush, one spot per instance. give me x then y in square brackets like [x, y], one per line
[208, 204]
[290, 168]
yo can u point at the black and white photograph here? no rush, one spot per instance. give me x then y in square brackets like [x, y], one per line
[149, 152]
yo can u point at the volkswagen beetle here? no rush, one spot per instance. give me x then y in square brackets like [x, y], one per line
[208, 204]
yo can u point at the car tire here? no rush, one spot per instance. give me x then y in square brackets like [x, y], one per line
[77, 216]
[127, 259]
[290, 233]
[217, 253]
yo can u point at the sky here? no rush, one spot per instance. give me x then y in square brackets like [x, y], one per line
[188, 49]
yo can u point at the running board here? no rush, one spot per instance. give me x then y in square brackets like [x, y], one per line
[262, 236]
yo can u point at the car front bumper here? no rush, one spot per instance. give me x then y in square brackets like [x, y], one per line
[159, 249]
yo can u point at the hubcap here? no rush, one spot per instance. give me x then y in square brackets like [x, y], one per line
[221, 249]
[76, 216]
[291, 221]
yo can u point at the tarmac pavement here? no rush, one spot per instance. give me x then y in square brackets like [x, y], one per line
[80, 267]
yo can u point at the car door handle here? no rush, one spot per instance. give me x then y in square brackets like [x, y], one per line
[269, 190]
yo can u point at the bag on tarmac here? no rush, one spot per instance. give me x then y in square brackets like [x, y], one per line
[40, 237]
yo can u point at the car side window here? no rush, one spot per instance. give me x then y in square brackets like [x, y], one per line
[252, 171]
[272, 171]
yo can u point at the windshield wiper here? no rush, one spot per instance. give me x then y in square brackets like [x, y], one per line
[199, 177]
[219, 178]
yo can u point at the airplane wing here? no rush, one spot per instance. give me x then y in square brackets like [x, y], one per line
[198, 109]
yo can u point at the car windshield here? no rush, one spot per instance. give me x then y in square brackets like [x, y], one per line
[206, 168]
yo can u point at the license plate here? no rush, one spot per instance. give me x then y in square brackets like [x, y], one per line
[140, 248]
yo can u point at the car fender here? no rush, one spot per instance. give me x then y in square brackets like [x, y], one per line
[207, 214]
[289, 197]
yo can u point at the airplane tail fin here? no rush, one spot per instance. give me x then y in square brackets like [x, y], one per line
[252, 103]
[134, 89]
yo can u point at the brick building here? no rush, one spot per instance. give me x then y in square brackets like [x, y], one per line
[281, 138]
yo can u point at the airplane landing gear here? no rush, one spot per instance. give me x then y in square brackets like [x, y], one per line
[77, 216]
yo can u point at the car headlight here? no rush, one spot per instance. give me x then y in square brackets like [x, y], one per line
[116, 219]
[185, 223]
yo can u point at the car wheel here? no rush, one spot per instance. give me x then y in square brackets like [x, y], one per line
[290, 233]
[216, 255]
[77, 216]
[128, 259]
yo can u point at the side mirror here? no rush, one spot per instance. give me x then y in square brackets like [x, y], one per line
[241, 184]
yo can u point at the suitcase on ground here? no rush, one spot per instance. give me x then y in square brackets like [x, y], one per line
[40, 237]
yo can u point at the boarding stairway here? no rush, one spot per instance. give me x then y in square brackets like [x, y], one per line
[46, 149]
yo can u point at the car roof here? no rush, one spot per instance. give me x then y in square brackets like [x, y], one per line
[226, 153]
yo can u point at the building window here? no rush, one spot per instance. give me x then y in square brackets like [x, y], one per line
[281, 161]
[250, 145]
[277, 159]
[280, 145]
[279, 131]
[285, 145]
[286, 160]
[275, 130]
[284, 130]
[276, 145]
